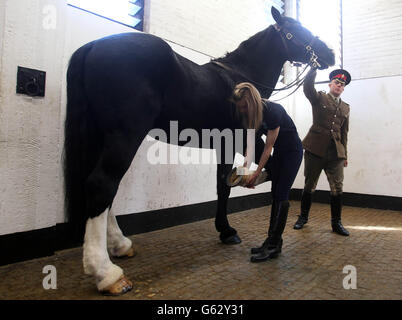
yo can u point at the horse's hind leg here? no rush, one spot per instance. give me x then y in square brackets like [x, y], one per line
[118, 245]
[109, 277]
[101, 188]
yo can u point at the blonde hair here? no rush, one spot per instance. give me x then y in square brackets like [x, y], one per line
[251, 96]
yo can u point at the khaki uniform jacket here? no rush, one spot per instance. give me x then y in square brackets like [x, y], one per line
[330, 121]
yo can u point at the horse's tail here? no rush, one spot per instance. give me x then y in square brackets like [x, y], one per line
[81, 145]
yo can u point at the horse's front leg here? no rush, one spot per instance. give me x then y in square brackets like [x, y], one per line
[228, 235]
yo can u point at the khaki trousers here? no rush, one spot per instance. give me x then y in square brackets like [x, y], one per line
[332, 166]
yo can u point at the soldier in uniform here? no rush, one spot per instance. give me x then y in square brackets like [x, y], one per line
[326, 145]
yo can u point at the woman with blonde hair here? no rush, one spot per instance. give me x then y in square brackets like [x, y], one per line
[271, 119]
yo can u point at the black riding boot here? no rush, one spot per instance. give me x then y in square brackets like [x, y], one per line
[273, 244]
[336, 208]
[305, 209]
[271, 226]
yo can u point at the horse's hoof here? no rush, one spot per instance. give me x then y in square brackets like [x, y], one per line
[121, 286]
[235, 239]
[129, 254]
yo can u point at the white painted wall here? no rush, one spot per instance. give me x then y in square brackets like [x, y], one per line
[375, 133]
[375, 136]
[30, 183]
[31, 135]
[31, 129]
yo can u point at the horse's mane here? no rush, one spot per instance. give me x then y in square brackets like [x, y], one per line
[253, 40]
[245, 45]
[290, 20]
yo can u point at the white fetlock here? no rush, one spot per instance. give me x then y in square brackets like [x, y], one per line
[112, 275]
[118, 245]
[96, 260]
[122, 249]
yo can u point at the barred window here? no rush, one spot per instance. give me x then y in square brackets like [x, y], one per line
[126, 12]
[324, 19]
[278, 4]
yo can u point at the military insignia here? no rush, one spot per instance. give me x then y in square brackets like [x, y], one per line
[341, 75]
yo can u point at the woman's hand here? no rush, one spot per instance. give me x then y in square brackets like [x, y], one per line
[252, 180]
[269, 143]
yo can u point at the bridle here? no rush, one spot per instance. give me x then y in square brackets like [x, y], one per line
[286, 37]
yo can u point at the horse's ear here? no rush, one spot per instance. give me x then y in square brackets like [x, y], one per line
[277, 15]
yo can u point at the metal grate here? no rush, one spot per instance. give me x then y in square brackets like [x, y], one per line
[126, 12]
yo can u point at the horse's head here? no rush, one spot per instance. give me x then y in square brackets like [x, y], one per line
[300, 44]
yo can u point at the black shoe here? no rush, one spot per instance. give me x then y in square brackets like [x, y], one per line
[305, 209]
[338, 228]
[301, 221]
[336, 209]
[268, 252]
[264, 246]
[272, 246]
[260, 249]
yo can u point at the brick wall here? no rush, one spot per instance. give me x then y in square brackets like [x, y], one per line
[372, 37]
[210, 27]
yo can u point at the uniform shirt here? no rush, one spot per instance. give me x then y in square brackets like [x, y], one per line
[330, 121]
[336, 99]
[274, 116]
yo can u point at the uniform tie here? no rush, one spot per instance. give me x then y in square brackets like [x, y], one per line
[336, 99]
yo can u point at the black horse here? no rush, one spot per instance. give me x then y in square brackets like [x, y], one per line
[122, 86]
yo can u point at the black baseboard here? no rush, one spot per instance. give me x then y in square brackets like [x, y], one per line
[28, 245]
[354, 200]
[159, 219]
